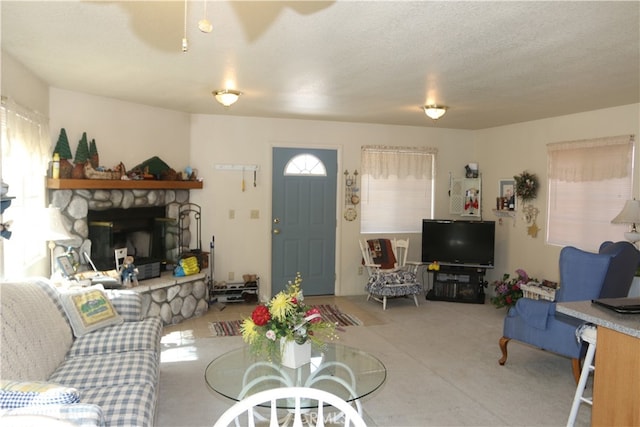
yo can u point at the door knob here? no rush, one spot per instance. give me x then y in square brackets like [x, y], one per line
[276, 220]
[276, 231]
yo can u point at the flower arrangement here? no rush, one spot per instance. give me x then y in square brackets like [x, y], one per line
[285, 316]
[508, 291]
[526, 186]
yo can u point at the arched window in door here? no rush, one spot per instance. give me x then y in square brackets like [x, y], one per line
[305, 164]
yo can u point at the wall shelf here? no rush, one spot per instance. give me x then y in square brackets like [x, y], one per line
[504, 213]
[109, 184]
[234, 167]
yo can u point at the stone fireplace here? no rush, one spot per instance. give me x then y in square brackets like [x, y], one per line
[79, 206]
[174, 299]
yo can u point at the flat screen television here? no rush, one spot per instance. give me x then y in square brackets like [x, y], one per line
[459, 242]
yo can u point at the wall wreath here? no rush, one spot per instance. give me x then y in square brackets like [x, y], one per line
[526, 186]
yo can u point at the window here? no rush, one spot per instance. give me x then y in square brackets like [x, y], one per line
[397, 188]
[589, 183]
[305, 164]
[25, 155]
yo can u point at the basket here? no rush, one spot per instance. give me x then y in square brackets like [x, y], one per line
[534, 290]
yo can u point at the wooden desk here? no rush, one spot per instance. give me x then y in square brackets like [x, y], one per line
[616, 389]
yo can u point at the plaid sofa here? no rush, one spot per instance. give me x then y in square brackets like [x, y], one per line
[110, 376]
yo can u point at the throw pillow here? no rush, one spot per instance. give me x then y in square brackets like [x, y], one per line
[14, 394]
[89, 310]
[128, 304]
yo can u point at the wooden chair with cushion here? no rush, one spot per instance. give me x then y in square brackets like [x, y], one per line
[390, 275]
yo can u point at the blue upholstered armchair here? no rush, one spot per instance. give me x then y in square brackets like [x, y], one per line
[583, 276]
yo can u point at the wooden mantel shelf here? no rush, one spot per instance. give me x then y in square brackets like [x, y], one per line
[109, 184]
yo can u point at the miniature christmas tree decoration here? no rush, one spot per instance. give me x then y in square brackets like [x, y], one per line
[64, 152]
[82, 155]
[94, 158]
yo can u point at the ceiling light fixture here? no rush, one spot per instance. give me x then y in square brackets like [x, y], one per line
[185, 43]
[227, 97]
[435, 111]
[204, 24]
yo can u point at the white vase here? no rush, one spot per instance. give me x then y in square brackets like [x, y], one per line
[294, 355]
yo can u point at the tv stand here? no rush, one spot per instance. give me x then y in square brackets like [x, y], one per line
[458, 284]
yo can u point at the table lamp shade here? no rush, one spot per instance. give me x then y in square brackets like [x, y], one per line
[630, 214]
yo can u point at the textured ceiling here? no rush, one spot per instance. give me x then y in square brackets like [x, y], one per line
[492, 63]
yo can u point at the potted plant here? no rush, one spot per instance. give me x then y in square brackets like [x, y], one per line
[508, 291]
[284, 324]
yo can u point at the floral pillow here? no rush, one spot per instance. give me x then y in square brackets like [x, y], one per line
[89, 310]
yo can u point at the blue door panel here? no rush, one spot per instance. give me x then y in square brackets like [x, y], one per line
[304, 224]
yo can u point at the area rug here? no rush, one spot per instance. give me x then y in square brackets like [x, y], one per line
[330, 313]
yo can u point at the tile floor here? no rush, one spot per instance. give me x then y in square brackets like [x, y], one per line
[441, 359]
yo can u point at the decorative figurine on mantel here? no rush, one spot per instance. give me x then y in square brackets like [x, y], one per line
[94, 157]
[64, 153]
[129, 273]
[82, 156]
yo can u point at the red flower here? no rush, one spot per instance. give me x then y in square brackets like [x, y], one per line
[294, 300]
[508, 299]
[312, 311]
[261, 315]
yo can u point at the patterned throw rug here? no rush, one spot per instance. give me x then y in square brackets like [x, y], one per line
[330, 313]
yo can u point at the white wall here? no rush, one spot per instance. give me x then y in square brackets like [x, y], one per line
[23, 86]
[124, 132]
[131, 133]
[243, 244]
[509, 150]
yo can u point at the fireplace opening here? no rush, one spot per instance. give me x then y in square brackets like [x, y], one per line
[141, 230]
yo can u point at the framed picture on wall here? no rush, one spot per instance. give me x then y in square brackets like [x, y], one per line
[507, 192]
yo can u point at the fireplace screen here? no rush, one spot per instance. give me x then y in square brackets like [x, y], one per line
[142, 231]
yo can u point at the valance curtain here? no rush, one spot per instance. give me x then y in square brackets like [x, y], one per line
[589, 183]
[402, 162]
[591, 160]
[397, 188]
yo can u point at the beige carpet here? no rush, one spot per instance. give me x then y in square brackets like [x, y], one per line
[442, 370]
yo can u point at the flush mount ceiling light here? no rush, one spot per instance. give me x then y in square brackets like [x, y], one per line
[227, 97]
[435, 111]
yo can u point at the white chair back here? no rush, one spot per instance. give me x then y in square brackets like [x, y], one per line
[120, 254]
[400, 250]
[243, 413]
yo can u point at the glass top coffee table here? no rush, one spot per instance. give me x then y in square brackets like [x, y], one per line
[344, 371]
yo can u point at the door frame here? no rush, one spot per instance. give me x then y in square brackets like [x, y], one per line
[339, 207]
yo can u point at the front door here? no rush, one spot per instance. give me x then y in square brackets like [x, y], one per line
[303, 229]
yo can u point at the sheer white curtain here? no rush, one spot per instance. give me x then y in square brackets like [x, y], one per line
[25, 157]
[589, 183]
[397, 188]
